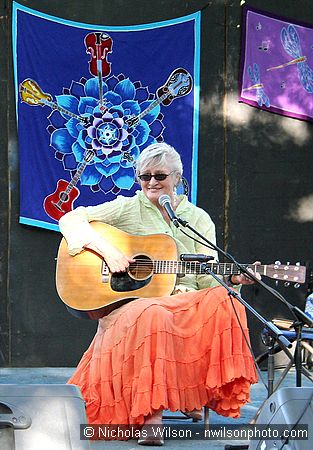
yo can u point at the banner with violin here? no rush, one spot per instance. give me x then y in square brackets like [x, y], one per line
[277, 64]
[89, 100]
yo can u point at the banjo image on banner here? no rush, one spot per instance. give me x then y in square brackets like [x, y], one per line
[90, 98]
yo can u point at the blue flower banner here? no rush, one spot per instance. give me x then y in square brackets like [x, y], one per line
[90, 98]
[277, 64]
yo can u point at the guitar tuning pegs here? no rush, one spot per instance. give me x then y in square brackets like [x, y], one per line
[287, 284]
[296, 285]
[288, 263]
[276, 283]
[298, 263]
[278, 263]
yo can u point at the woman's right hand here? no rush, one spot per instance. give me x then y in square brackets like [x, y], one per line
[115, 259]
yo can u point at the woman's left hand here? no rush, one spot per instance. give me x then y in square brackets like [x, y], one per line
[245, 279]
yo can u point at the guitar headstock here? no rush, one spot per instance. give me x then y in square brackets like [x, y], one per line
[286, 272]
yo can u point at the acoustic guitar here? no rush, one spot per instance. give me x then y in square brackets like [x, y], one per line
[85, 284]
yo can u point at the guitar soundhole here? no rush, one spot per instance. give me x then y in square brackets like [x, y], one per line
[63, 197]
[141, 269]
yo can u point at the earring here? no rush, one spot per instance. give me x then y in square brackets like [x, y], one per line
[183, 187]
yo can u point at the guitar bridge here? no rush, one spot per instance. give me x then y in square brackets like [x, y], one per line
[104, 272]
[58, 207]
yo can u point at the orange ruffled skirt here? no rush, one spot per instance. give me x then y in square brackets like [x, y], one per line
[178, 353]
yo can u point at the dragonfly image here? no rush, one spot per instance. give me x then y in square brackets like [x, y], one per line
[291, 42]
[254, 75]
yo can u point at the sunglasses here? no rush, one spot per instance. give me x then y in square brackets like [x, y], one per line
[156, 176]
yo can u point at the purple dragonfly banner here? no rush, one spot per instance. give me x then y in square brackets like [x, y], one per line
[90, 98]
[276, 66]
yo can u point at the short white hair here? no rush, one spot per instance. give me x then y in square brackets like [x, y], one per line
[159, 155]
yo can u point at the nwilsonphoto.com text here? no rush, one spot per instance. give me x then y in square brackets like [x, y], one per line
[196, 431]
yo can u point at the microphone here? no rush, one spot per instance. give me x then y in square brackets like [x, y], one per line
[195, 257]
[165, 201]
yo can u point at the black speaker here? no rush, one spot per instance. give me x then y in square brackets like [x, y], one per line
[289, 408]
[41, 416]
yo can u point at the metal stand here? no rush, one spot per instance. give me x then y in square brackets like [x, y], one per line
[296, 358]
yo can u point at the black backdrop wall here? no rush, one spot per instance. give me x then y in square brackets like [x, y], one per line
[254, 168]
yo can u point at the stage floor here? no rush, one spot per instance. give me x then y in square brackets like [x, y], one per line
[51, 375]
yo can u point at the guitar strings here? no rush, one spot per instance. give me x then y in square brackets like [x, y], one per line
[143, 265]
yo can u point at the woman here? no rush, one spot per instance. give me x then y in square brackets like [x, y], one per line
[180, 352]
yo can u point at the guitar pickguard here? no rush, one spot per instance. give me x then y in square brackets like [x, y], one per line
[122, 282]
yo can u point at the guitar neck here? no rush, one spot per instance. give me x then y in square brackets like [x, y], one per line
[76, 177]
[100, 80]
[79, 171]
[193, 267]
[295, 274]
[153, 105]
[55, 106]
[132, 120]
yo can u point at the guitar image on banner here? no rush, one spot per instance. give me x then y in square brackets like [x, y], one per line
[61, 200]
[32, 94]
[86, 286]
[178, 84]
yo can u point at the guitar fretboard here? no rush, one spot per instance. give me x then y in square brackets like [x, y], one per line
[144, 266]
[131, 121]
[55, 106]
[191, 267]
